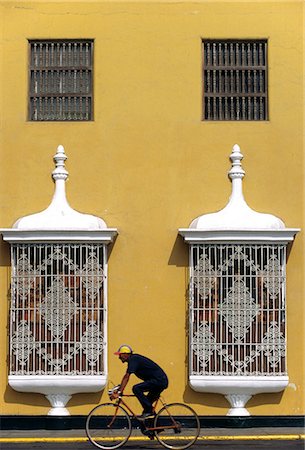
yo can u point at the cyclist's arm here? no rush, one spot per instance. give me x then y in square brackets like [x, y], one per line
[124, 382]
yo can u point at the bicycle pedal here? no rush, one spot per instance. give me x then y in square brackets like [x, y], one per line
[177, 430]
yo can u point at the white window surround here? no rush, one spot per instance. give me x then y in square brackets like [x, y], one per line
[236, 226]
[57, 232]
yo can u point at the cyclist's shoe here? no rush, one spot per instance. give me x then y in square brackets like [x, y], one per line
[146, 415]
[149, 434]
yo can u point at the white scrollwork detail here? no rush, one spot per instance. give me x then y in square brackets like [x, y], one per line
[91, 343]
[204, 344]
[238, 254]
[238, 309]
[57, 308]
[57, 364]
[273, 345]
[272, 276]
[205, 276]
[23, 343]
[25, 279]
[92, 275]
[57, 255]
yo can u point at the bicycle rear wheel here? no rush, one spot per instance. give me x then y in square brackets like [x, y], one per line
[108, 426]
[177, 426]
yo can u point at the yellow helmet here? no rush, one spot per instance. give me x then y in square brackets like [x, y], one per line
[123, 349]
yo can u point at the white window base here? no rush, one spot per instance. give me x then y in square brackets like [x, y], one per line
[238, 389]
[58, 389]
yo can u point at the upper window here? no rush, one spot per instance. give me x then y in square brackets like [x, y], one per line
[235, 80]
[60, 80]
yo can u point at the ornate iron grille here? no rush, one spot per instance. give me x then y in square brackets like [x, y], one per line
[235, 80]
[237, 310]
[61, 80]
[57, 309]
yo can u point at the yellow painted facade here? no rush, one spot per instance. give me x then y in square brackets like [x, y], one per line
[148, 164]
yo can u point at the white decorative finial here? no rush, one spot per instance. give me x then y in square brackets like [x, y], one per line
[236, 170]
[60, 172]
[59, 215]
[237, 215]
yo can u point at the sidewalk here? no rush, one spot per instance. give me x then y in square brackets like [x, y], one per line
[220, 434]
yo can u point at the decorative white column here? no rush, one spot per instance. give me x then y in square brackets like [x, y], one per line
[58, 402]
[238, 403]
[237, 299]
[58, 314]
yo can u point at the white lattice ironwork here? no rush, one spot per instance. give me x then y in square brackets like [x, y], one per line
[237, 309]
[23, 342]
[26, 278]
[90, 342]
[57, 309]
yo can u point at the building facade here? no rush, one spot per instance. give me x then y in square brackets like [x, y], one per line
[148, 99]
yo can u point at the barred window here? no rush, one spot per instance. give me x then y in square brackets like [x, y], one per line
[58, 309]
[235, 80]
[237, 309]
[60, 78]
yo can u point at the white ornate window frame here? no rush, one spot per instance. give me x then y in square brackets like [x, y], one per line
[237, 385]
[237, 298]
[58, 310]
[57, 384]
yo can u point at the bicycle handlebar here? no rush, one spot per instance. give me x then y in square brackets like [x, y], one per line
[116, 389]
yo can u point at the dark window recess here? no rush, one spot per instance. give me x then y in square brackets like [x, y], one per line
[235, 80]
[61, 80]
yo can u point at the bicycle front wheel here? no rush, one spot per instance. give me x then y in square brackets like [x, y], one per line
[177, 426]
[108, 426]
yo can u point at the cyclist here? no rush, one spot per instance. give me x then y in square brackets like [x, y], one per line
[154, 379]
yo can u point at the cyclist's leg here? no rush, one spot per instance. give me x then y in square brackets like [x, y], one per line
[157, 386]
[138, 390]
[154, 394]
[153, 389]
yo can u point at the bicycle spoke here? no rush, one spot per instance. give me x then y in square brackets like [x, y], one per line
[108, 426]
[177, 426]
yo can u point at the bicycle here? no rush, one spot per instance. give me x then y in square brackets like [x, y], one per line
[109, 425]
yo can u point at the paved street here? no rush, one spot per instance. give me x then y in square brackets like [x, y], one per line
[147, 445]
[276, 438]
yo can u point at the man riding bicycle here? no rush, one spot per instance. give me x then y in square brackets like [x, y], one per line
[154, 379]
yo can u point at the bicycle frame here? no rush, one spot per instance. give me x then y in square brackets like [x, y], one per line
[148, 428]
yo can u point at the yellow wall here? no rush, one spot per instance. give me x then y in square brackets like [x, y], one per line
[148, 165]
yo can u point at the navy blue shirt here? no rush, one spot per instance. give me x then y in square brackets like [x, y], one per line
[145, 369]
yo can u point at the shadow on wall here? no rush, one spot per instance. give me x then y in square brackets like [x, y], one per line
[24, 398]
[5, 260]
[179, 254]
[204, 399]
